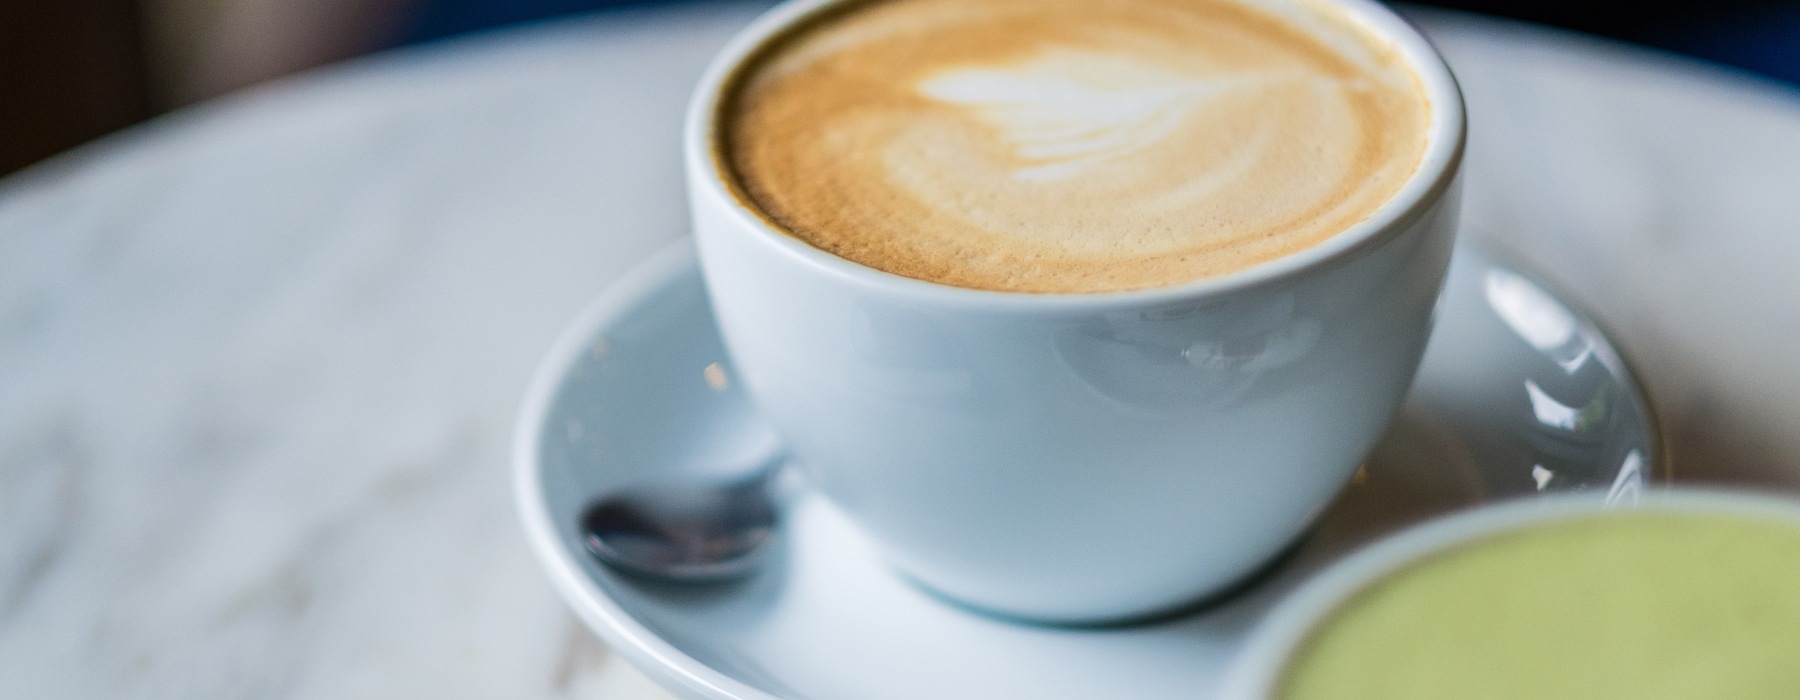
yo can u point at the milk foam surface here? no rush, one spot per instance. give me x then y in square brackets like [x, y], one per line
[1072, 145]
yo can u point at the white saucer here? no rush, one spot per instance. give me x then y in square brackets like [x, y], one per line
[1517, 396]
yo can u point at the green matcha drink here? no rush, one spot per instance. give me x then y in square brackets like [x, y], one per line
[1638, 605]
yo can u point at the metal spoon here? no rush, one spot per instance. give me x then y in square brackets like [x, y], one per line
[686, 531]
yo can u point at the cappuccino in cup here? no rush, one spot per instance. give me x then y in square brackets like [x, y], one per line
[1071, 146]
[1019, 281]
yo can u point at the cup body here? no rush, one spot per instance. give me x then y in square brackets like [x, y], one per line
[1080, 457]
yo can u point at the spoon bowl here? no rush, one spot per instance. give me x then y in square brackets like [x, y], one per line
[685, 531]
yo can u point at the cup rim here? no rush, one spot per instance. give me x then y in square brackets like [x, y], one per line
[1438, 168]
[1260, 664]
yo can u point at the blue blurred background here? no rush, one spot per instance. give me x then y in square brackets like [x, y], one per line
[1759, 36]
[74, 70]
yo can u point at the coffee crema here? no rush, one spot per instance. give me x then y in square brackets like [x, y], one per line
[1071, 145]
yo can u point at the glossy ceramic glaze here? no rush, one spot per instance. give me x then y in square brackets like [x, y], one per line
[1086, 457]
[631, 396]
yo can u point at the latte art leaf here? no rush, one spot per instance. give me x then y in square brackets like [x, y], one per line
[1064, 110]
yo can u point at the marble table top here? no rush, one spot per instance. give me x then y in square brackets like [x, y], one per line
[259, 359]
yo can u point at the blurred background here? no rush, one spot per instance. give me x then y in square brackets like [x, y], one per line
[74, 70]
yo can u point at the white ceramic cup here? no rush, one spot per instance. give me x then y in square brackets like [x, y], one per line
[1081, 457]
[1258, 671]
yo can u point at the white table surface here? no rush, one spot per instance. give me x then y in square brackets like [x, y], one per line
[259, 359]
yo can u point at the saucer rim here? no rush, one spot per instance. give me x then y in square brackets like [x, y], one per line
[1661, 464]
[643, 648]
